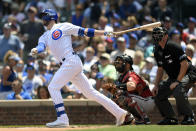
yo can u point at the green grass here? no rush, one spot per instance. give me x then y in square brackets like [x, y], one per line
[122, 128]
[145, 128]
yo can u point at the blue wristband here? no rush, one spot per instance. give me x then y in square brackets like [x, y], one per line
[81, 31]
[41, 47]
[91, 32]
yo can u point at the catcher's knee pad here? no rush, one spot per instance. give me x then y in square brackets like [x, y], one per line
[123, 100]
[136, 110]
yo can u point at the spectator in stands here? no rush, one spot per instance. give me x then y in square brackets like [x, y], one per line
[106, 68]
[121, 44]
[90, 59]
[133, 41]
[9, 42]
[97, 75]
[8, 73]
[190, 51]
[138, 61]
[5, 9]
[132, 23]
[150, 68]
[16, 12]
[167, 23]
[175, 38]
[17, 93]
[31, 30]
[161, 10]
[109, 45]
[127, 8]
[15, 28]
[191, 30]
[44, 75]
[42, 92]
[184, 35]
[100, 49]
[20, 68]
[78, 18]
[145, 41]
[31, 82]
[94, 43]
[103, 23]
[93, 12]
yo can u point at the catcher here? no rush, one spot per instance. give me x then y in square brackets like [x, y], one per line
[130, 91]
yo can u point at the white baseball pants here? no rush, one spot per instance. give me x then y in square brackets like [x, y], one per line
[71, 70]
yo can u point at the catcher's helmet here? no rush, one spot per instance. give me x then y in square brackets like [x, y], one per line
[126, 59]
[49, 14]
[158, 33]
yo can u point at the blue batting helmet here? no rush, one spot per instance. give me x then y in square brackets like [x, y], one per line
[49, 14]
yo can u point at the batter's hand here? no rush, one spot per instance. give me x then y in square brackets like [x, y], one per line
[110, 34]
[34, 52]
[155, 91]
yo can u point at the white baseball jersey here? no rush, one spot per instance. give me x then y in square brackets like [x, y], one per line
[58, 39]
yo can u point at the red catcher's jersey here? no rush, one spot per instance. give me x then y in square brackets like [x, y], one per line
[141, 88]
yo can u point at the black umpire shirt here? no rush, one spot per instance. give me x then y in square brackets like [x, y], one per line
[170, 58]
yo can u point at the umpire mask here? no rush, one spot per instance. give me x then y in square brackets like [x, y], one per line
[158, 33]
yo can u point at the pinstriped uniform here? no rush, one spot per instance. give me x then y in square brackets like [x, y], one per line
[58, 40]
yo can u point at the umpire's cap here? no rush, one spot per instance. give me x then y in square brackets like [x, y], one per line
[158, 33]
[49, 14]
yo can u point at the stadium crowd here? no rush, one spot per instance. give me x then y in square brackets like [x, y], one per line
[27, 77]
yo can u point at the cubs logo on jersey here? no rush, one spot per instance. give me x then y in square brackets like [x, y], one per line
[56, 34]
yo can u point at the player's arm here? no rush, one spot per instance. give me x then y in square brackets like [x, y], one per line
[129, 86]
[40, 47]
[184, 66]
[70, 29]
[6, 74]
[93, 32]
[182, 58]
[90, 32]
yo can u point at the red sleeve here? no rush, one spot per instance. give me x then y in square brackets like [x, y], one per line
[140, 84]
[134, 78]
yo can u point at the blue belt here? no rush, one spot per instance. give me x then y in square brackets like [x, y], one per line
[74, 53]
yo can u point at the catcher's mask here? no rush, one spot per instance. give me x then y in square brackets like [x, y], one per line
[158, 33]
[121, 61]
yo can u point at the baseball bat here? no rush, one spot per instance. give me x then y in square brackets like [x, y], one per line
[143, 27]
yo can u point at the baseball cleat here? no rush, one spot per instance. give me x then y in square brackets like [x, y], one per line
[125, 119]
[57, 124]
[168, 121]
[120, 121]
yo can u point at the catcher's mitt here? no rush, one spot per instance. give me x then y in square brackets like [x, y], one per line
[111, 87]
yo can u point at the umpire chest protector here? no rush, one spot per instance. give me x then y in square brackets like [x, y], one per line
[170, 58]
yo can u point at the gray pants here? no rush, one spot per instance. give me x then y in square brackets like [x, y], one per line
[179, 93]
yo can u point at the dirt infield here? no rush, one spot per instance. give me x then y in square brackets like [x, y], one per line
[52, 129]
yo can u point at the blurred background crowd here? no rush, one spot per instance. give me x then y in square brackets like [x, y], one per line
[27, 77]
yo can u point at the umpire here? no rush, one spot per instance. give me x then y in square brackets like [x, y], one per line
[181, 76]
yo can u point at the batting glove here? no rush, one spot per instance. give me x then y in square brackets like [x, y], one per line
[109, 34]
[34, 52]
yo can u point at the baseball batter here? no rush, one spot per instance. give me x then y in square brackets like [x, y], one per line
[58, 39]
